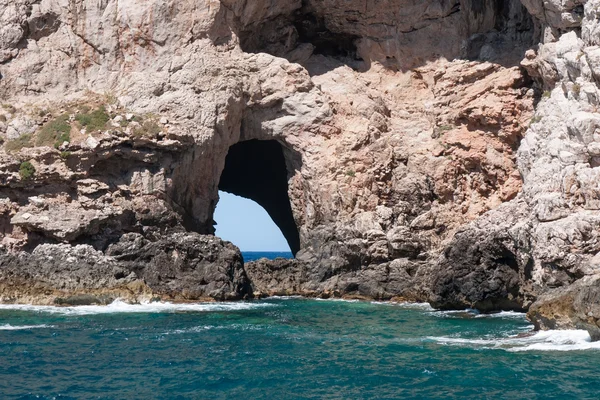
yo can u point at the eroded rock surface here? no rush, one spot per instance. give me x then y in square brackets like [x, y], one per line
[440, 151]
[553, 245]
[179, 267]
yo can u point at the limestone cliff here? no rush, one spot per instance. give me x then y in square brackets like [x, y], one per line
[435, 150]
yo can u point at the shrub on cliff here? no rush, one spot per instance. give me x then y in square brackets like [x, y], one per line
[10, 108]
[26, 170]
[55, 132]
[93, 121]
[19, 143]
[148, 129]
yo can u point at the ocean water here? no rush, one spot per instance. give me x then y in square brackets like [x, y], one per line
[255, 255]
[287, 348]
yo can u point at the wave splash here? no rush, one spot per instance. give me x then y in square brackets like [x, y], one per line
[554, 340]
[8, 327]
[119, 306]
[471, 313]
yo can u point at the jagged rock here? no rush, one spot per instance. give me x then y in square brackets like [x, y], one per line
[398, 157]
[576, 306]
[64, 223]
[484, 267]
[378, 164]
[304, 277]
[53, 273]
[557, 225]
[178, 267]
[277, 277]
[184, 266]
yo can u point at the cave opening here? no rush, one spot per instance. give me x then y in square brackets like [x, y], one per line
[257, 170]
[287, 36]
[512, 34]
[313, 29]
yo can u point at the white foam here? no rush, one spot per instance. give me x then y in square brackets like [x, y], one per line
[503, 314]
[285, 297]
[203, 328]
[336, 299]
[406, 304]
[8, 327]
[555, 340]
[567, 340]
[471, 313]
[119, 306]
[415, 306]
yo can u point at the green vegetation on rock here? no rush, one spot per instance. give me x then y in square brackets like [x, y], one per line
[438, 131]
[535, 119]
[110, 98]
[26, 170]
[19, 143]
[10, 108]
[148, 129]
[93, 121]
[55, 132]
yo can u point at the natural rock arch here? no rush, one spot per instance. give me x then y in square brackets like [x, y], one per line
[257, 170]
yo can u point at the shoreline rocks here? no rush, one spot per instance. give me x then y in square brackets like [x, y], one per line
[576, 306]
[461, 171]
[182, 267]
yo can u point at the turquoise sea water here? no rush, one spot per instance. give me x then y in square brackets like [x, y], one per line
[287, 348]
[255, 255]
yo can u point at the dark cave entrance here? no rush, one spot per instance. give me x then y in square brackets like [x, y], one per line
[282, 35]
[256, 170]
[313, 29]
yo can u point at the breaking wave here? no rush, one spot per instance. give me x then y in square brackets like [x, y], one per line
[8, 327]
[338, 300]
[470, 313]
[119, 306]
[554, 340]
[407, 305]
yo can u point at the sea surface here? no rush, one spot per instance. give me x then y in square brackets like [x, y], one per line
[255, 255]
[287, 348]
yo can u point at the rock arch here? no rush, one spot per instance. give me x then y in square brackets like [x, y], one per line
[257, 170]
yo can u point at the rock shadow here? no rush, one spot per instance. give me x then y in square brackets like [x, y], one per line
[498, 31]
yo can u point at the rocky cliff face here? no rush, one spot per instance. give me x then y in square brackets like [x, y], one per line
[552, 245]
[430, 150]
